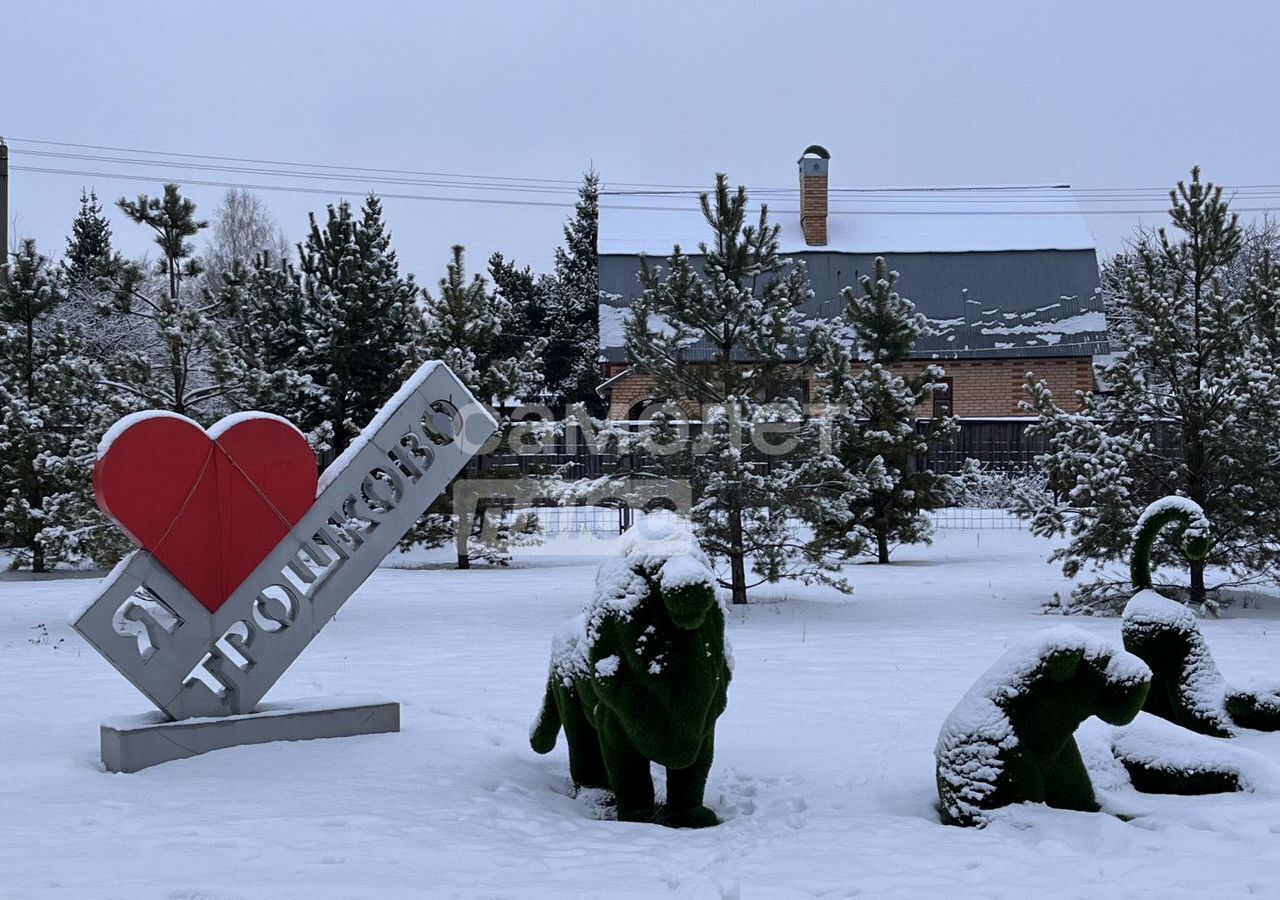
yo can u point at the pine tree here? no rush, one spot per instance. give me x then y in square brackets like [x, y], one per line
[872, 410]
[573, 317]
[1192, 404]
[463, 326]
[183, 334]
[744, 307]
[51, 415]
[364, 328]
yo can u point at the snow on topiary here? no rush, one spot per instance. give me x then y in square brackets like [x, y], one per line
[1186, 686]
[1010, 739]
[641, 676]
[1163, 512]
[1255, 706]
[1162, 758]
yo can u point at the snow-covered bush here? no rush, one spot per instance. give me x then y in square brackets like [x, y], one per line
[979, 486]
[642, 675]
[1010, 739]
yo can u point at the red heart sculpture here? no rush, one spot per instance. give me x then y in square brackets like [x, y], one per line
[208, 505]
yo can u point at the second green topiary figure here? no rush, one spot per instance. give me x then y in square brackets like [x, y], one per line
[641, 676]
[1186, 686]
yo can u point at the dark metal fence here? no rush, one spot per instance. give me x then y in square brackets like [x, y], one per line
[998, 444]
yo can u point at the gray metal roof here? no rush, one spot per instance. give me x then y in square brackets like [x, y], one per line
[1005, 303]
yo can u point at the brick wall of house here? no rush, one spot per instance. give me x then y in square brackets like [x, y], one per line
[981, 388]
[990, 388]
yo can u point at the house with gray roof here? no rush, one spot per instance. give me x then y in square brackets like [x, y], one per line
[1007, 275]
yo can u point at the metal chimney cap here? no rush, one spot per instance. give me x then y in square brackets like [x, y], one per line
[817, 150]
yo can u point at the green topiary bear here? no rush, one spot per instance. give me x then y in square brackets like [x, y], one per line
[642, 676]
[1011, 738]
[1186, 687]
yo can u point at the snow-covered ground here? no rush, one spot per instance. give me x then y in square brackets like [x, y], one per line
[823, 772]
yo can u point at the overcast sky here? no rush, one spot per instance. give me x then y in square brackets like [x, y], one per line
[1101, 95]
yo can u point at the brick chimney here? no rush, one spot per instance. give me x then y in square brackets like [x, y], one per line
[813, 195]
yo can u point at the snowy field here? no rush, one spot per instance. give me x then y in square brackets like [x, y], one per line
[823, 773]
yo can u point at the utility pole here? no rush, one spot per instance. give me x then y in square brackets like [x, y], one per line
[4, 205]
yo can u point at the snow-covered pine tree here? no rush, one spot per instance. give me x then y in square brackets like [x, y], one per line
[181, 334]
[1191, 406]
[463, 326]
[364, 328]
[267, 330]
[573, 319]
[871, 409]
[743, 303]
[52, 413]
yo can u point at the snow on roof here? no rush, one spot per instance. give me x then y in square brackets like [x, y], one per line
[888, 220]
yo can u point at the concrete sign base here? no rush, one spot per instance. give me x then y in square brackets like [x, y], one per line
[132, 743]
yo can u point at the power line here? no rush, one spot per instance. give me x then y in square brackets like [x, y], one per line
[294, 189]
[556, 184]
[1003, 195]
[269, 162]
[286, 173]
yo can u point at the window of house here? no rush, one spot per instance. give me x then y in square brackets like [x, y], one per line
[943, 398]
[797, 390]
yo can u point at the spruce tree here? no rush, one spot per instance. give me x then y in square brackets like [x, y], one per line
[573, 317]
[89, 253]
[527, 299]
[1192, 405]
[52, 413]
[268, 340]
[743, 305]
[88, 267]
[364, 328]
[871, 409]
[463, 326]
